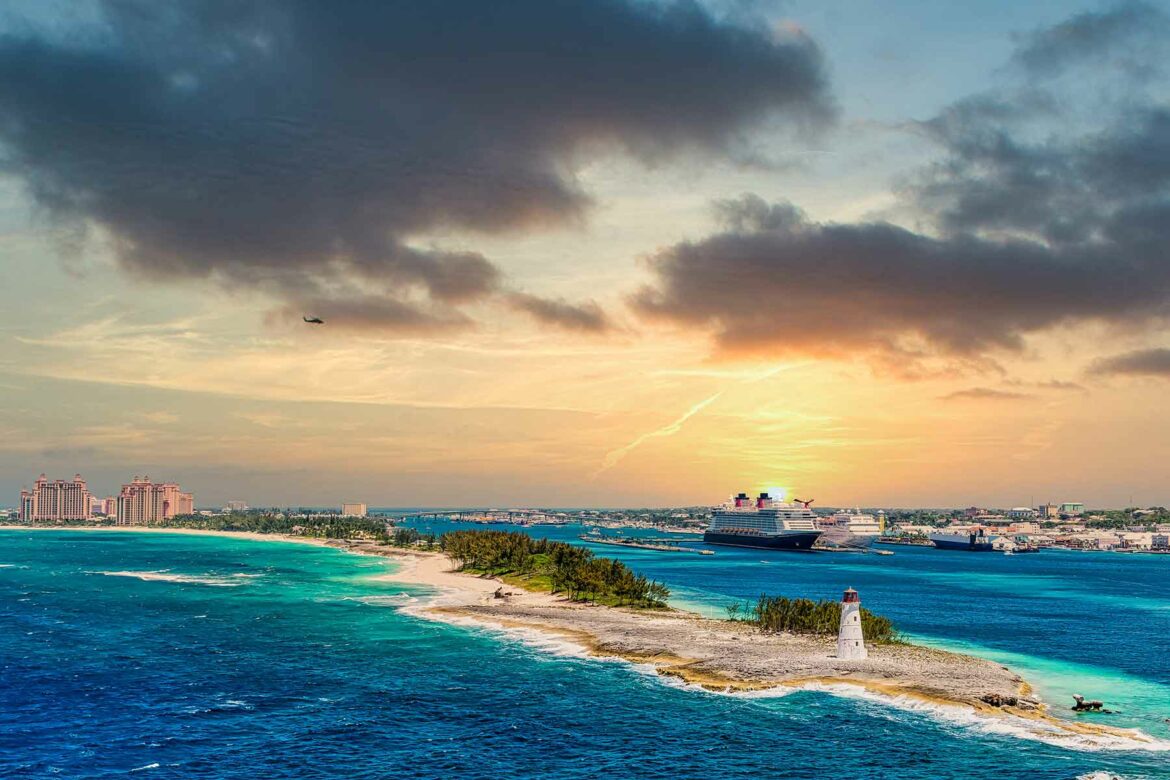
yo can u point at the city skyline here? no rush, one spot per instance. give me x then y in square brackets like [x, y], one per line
[348, 507]
[819, 262]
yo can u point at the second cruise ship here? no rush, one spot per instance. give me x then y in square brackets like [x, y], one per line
[764, 522]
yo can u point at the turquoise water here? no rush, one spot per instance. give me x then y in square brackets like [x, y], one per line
[180, 656]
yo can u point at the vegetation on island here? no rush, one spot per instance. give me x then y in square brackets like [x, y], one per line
[314, 526]
[559, 567]
[777, 614]
[318, 526]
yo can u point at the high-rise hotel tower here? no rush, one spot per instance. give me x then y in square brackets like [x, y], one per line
[56, 499]
[142, 502]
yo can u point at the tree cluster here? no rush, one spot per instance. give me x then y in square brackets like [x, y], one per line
[777, 614]
[569, 569]
[322, 526]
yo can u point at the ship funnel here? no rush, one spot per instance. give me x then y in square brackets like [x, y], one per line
[762, 501]
[742, 500]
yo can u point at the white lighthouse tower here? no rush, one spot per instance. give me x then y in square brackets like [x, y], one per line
[850, 642]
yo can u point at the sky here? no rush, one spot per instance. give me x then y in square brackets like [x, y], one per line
[587, 253]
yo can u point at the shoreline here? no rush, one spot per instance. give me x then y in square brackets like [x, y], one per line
[712, 655]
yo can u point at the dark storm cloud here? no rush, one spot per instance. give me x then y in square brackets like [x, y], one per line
[299, 147]
[1030, 225]
[816, 288]
[1142, 362]
[585, 317]
[1094, 36]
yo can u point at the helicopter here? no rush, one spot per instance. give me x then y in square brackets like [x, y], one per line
[313, 320]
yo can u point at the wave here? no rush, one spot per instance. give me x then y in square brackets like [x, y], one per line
[231, 581]
[393, 600]
[227, 705]
[544, 641]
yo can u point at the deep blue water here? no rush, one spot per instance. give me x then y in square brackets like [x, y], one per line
[239, 659]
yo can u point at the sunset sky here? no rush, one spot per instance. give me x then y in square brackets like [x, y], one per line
[603, 252]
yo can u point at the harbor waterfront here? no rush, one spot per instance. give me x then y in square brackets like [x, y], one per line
[321, 624]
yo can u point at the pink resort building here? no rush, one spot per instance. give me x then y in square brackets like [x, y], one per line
[142, 502]
[56, 499]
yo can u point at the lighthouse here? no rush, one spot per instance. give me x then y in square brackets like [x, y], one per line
[850, 642]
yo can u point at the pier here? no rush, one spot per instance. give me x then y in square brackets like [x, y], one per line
[661, 545]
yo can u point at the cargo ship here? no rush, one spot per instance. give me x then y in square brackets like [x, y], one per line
[975, 540]
[764, 523]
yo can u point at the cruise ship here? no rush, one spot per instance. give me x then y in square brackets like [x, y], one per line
[974, 540]
[764, 522]
[849, 530]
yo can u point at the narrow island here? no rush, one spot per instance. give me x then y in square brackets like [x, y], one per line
[512, 581]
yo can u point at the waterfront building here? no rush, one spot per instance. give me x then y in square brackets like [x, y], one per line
[236, 506]
[850, 638]
[110, 506]
[353, 510]
[142, 502]
[1021, 513]
[1048, 511]
[1072, 508]
[56, 499]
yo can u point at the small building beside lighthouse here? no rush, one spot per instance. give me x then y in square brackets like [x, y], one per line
[850, 641]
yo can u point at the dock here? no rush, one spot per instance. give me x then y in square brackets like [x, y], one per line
[644, 544]
[909, 541]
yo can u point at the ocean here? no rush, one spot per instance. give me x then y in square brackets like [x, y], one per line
[160, 656]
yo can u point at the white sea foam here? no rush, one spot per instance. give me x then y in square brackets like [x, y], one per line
[166, 576]
[155, 765]
[389, 600]
[541, 640]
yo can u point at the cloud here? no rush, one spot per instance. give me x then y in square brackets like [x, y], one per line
[1094, 36]
[831, 289]
[1141, 362]
[302, 149]
[985, 394]
[1060, 384]
[1028, 221]
[585, 317]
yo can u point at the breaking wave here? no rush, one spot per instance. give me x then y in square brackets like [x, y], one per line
[230, 581]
